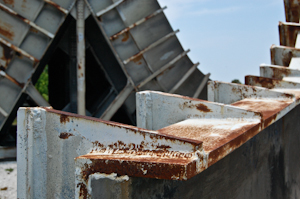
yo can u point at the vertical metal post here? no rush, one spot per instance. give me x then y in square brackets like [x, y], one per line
[80, 58]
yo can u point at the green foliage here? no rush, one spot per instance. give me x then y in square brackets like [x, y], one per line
[42, 84]
[236, 81]
[9, 170]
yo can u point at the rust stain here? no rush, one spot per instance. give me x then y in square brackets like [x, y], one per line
[33, 30]
[268, 108]
[147, 167]
[232, 142]
[9, 2]
[138, 59]
[83, 191]
[65, 135]
[203, 108]
[125, 37]
[286, 59]
[164, 147]
[261, 81]
[288, 34]
[24, 4]
[6, 32]
[280, 73]
[7, 54]
[211, 135]
[64, 118]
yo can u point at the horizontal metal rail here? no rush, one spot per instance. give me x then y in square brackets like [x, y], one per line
[182, 80]
[137, 23]
[150, 47]
[56, 6]
[109, 8]
[19, 50]
[42, 30]
[162, 69]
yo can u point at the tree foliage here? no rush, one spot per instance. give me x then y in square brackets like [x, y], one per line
[236, 81]
[42, 84]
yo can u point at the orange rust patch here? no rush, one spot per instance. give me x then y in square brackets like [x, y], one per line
[65, 135]
[83, 191]
[64, 118]
[7, 33]
[164, 147]
[235, 142]
[148, 167]
[203, 108]
[125, 36]
[268, 108]
[287, 58]
[262, 81]
[10, 2]
[138, 59]
[280, 73]
[33, 30]
[213, 135]
[7, 54]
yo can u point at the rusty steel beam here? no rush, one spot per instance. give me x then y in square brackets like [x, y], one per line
[288, 33]
[292, 10]
[42, 30]
[150, 47]
[282, 55]
[137, 23]
[19, 50]
[274, 84]
[10, 78]
[185, 136]
[279, 72]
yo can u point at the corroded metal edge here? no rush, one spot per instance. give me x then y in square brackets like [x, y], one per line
[137, 163]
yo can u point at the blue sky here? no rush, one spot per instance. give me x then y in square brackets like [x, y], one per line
[229, 38]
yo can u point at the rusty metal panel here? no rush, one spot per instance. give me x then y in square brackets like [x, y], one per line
[292, 10]
[288, 33]
[27, 30]
[190, 135]
[282, 55]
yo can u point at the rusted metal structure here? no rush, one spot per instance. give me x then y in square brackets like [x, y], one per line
[241, 143]
[105, 51]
